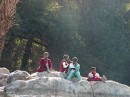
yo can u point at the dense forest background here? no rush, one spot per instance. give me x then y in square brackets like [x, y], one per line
[96, 31]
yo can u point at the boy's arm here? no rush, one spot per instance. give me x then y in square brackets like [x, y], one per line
[89, 77]
[97, 75]
[65, 65]
[41, 63]
[48, 69]
[50, 64]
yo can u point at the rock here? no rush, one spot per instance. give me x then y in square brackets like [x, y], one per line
[4, 72]
[55, 85]
[46, 74]
[110, 89]
[50, 87]
[53, 74]
[17, 75]
[2, 93]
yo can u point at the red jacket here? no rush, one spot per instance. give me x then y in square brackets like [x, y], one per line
[43, 63]
[62, 69]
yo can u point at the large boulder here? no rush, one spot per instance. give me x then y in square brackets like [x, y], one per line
[17, 75]
[49, 87]
[55, 85]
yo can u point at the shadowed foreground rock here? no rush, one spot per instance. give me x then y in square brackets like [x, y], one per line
[4, 72]
[54, 85]
[17, 75]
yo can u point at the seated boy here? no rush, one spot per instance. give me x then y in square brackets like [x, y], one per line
[45, 63]
[73, 69]
[64, 64]
[94, 76]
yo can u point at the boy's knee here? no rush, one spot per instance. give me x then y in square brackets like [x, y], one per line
[77, 73]
[70, 75]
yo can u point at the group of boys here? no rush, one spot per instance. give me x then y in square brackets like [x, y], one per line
[68, 67]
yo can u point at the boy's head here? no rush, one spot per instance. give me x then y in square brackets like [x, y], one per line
[66, 57]
[93, 69]
[46, 55]
[75, 60]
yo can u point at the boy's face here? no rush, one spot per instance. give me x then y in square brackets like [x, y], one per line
[74, 62]
[67, 58]
[93, 70]
[46, 56]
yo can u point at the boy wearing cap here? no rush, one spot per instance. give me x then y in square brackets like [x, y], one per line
[73, 69]
[94, 76]
[45, 63]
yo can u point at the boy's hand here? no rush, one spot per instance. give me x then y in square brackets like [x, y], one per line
[49, 71]
[72, 70]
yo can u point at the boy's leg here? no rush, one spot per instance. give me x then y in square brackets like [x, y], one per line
[39, 69]
[71, 74]
[97, 79]
[78, 75]
[104, 79]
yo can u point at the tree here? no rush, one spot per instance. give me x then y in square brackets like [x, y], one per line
[7, 10]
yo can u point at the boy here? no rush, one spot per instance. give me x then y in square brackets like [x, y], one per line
[73, 69]
[64, 64]
[45, 63]
[94, 76]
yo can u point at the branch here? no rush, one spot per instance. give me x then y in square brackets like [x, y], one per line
[35, 41]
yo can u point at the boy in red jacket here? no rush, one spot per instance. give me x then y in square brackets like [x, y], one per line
[64, 64]
[94, 76]
[45, 63]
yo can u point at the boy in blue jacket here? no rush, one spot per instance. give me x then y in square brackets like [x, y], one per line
[73, 69]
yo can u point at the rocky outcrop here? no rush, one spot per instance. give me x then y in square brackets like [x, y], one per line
[4, 72]
[46, 74]
[50, 87]
[17, 75]
[55, 85]
[110, 89]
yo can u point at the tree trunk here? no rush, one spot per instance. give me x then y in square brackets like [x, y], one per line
[7, 53]
[27, 54]
[7, 10]
[2, 40]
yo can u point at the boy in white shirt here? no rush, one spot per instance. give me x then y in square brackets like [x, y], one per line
[94, 76]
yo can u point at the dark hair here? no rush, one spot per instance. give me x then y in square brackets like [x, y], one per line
[46, 53]
[75, 59]
[66, 56]
[93, 68]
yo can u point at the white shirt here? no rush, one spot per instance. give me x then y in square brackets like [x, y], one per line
[91, 75]
[72, 65]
